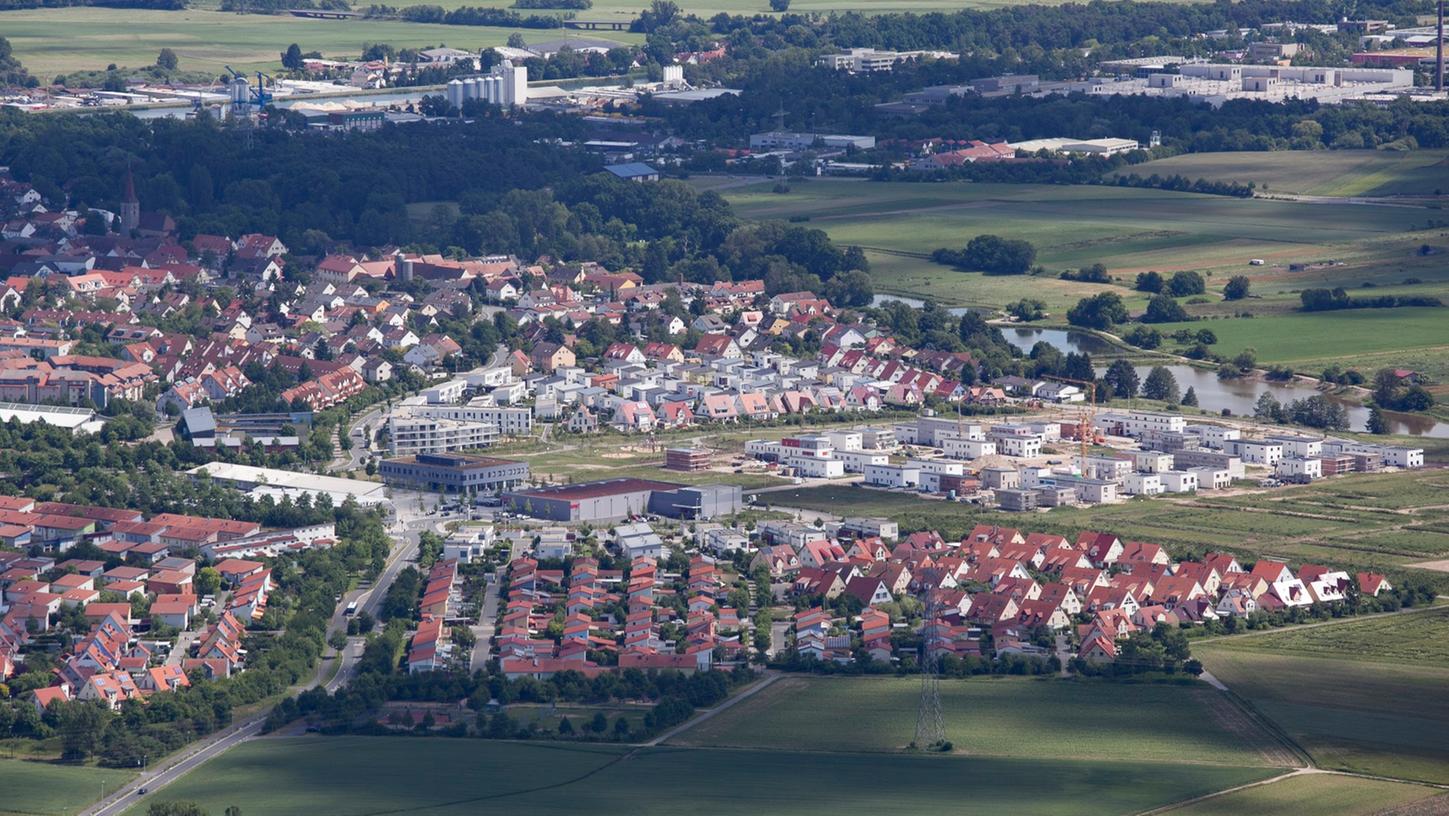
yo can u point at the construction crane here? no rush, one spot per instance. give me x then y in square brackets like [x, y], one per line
[248, 95]
[1086, 419]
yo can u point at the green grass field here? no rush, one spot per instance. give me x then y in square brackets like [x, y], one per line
[1317, 172]
[1129, 230]
[1312, 342]
[54, 41]
[1319, 794]
[1047, 719]
[1415, 639]
[353, 776]
[30, 788]
[1386, 717]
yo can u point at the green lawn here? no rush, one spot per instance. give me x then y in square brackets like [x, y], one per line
[53, 41]
[352, 776]
[1311, 342]
[1387, 718]
[1319, 794]
[29, 788]
[1045, 718]
[1316, 172]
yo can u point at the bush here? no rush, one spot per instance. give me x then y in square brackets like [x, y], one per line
[1164, 309]
[1100, 311]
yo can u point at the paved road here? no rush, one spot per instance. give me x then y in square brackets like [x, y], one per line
[177, 766]
[405, 531]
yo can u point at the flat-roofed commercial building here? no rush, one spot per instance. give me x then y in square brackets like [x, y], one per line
[453, 473]
[259, 481]
[590, 501]
[614, 499]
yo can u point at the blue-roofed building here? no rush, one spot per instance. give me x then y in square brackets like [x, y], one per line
[634, 171]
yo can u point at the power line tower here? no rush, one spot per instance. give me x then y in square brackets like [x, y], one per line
[930, 724]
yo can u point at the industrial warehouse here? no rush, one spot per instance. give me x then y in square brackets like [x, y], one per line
[614, 499]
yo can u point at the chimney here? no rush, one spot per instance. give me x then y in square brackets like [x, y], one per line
[1439, 52]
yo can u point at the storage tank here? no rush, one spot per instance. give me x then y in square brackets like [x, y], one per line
[240, 91]
[455, 93]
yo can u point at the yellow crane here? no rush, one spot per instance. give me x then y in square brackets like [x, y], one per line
[1086, 430]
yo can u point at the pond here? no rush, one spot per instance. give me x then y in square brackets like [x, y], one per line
[1213, 394]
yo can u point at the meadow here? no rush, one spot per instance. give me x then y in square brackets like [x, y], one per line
[31, 788]
[1387, 717]
[1128, 229]
[442, 777]
[1316, 172]
[1312, 342]
[1319, 794]
[1005, 717]
[54, 41]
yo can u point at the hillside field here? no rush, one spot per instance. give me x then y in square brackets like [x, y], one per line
[1316, 172]
[453, 777]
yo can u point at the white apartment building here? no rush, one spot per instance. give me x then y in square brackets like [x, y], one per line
[855, 461]
[1294, 466]
[959, 448]
[1151, 461]
[1299, 447]
[1178, 481]
[1213, 436]
[1212, 478]
[1142, 484]
[1106, 467]
[1020, 446]
[1136, 423]
[892, 476]
[1256, 451]
[409, 435]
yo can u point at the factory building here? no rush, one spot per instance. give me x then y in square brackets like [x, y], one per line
[506, 86]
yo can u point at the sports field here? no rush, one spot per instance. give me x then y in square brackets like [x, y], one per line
[1319, 794]
[1008, 717]
[353, 776]
[30, 788]
[55, 41]
[1316, 172]
[1376, 707]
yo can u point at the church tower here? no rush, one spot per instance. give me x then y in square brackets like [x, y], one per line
[130, 205]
